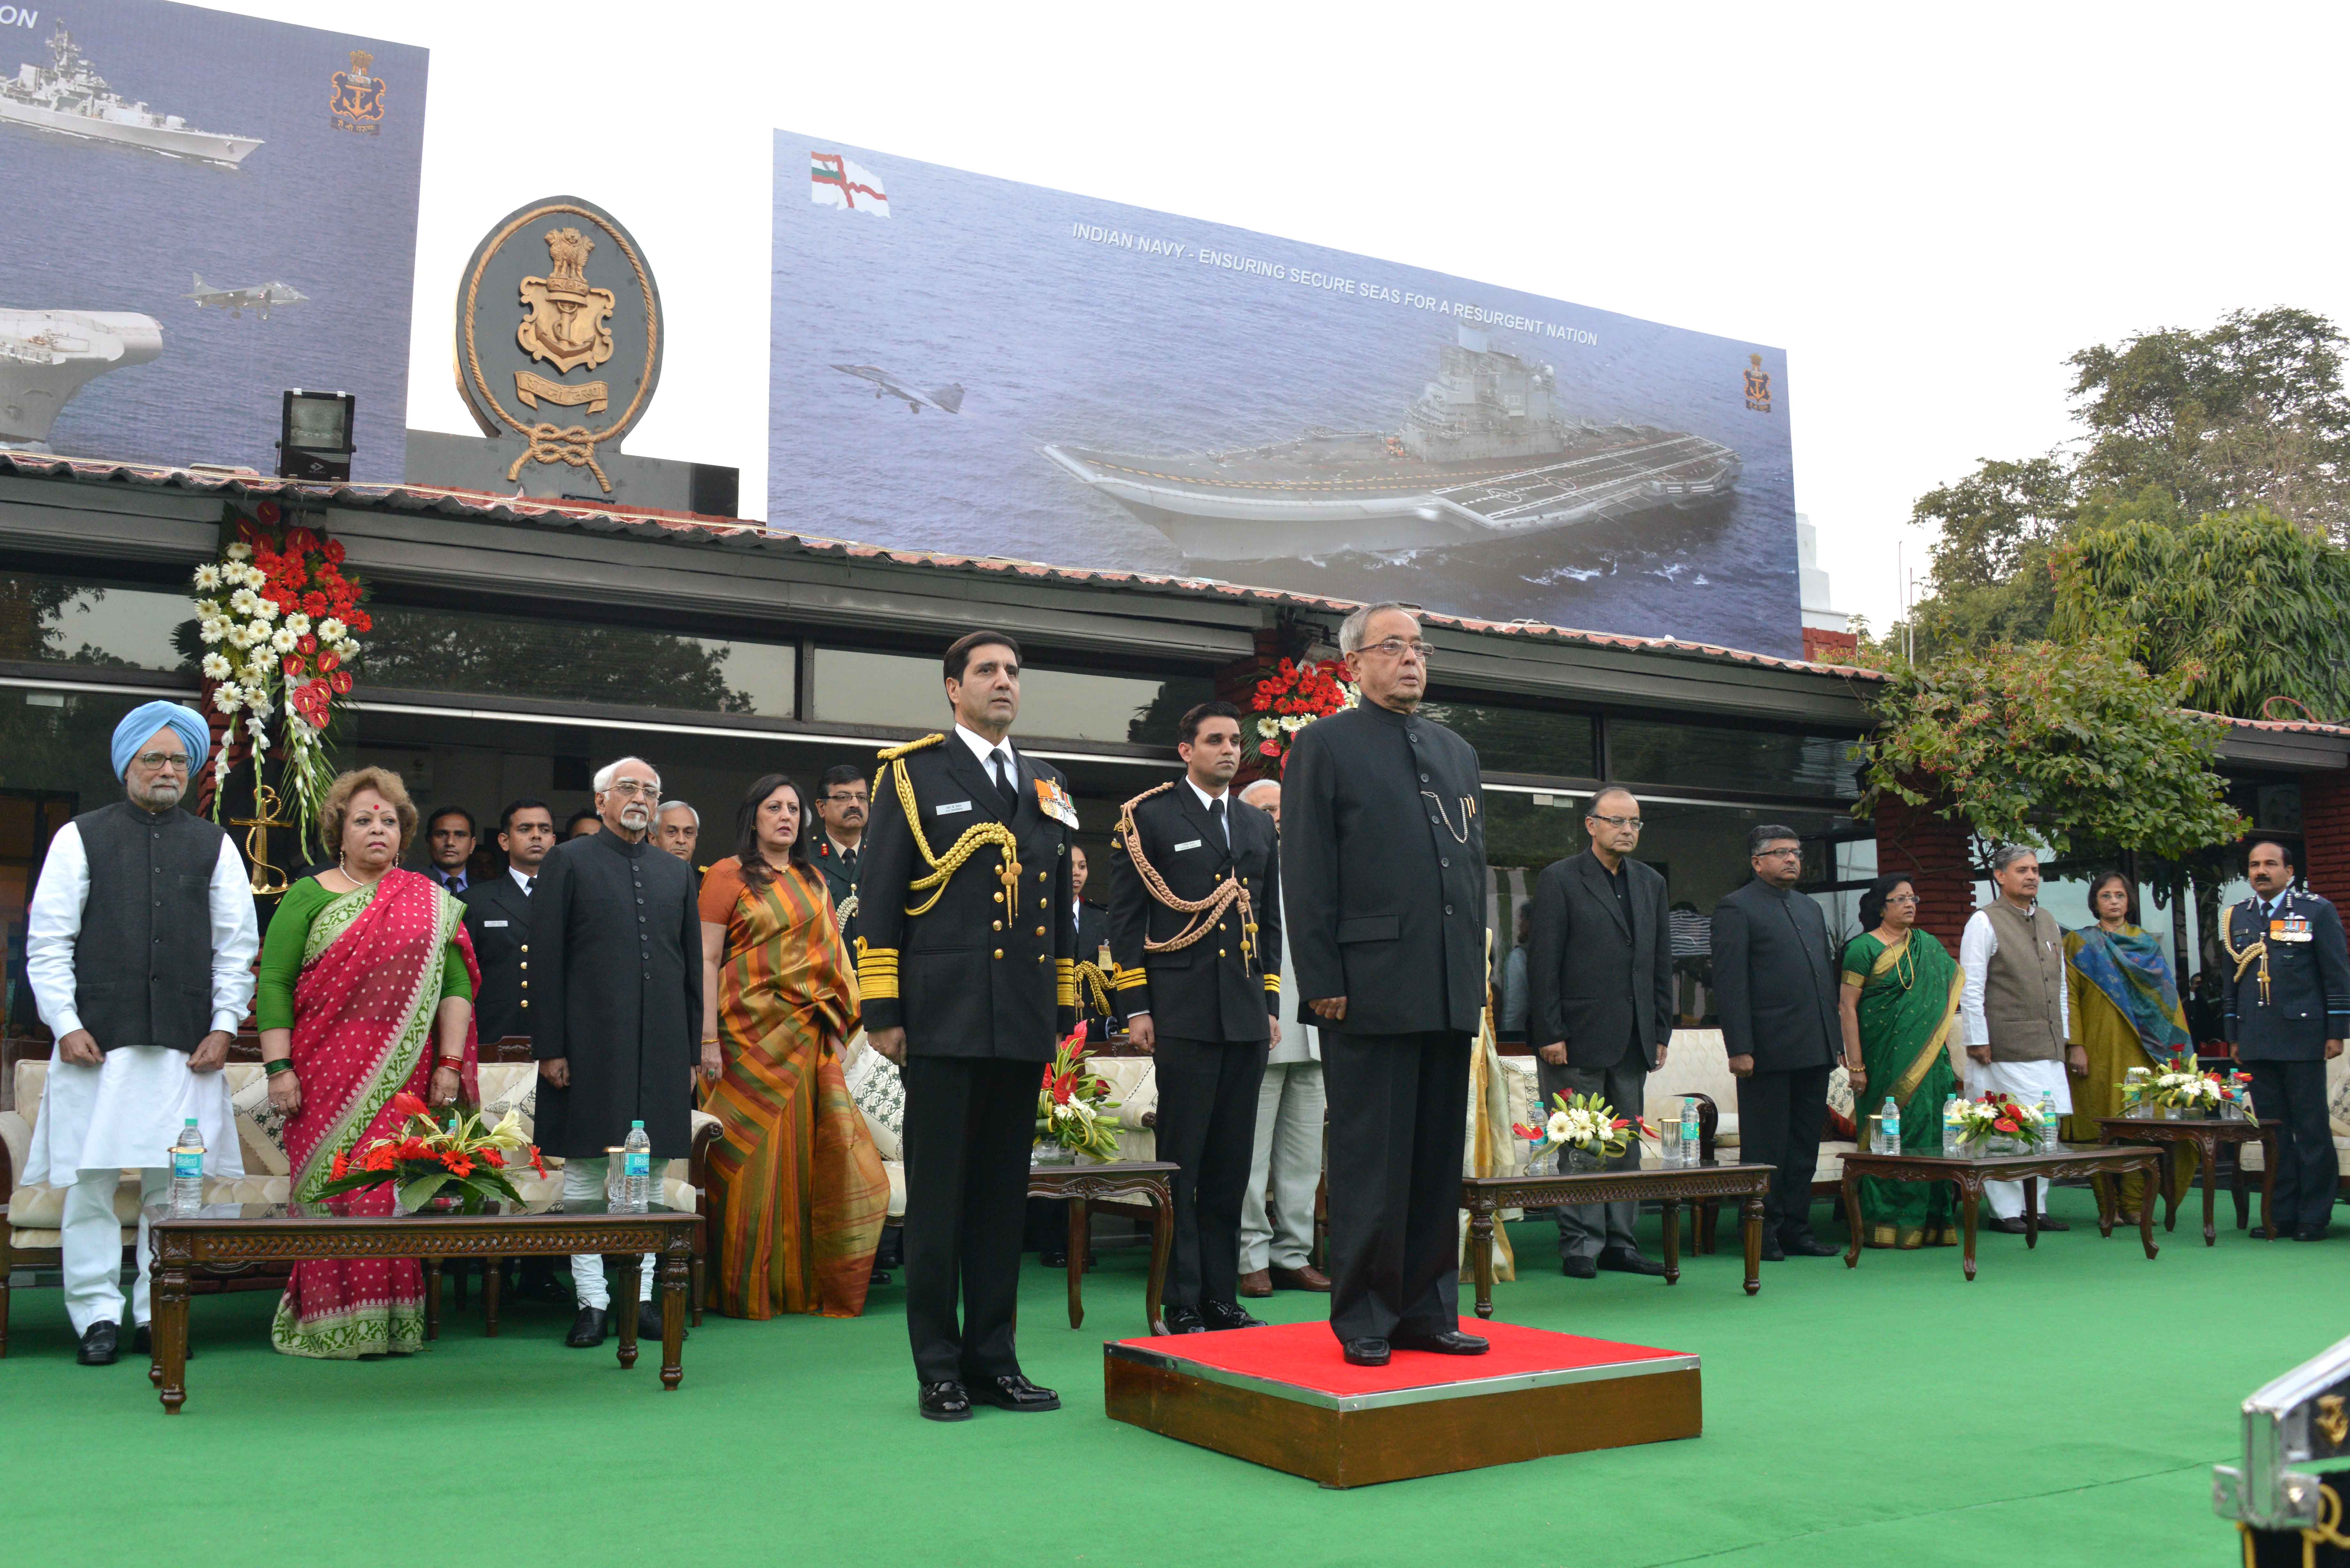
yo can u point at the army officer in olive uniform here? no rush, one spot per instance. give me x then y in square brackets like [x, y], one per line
[966, 955]
[1195, 929]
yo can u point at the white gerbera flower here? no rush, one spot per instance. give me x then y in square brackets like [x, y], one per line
[207, 578]
[264, 608]
[332, 630]
[239, 550]
[283, 639]
[215, 667]
[1268, 727]
[213, 630]
[1558, 1128]
[229, 697]
[242, 602]
[298, 624]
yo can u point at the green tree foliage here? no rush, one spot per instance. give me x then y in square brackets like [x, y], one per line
[2064, 747]
[2241, 607]
[1991, 571]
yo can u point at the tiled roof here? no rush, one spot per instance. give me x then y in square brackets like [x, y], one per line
[233, 485]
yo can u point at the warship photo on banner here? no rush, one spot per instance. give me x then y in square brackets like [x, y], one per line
[206, 210]
[973, 365]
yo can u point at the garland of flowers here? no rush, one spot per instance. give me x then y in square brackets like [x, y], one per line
[279, 623]
[1293, 696]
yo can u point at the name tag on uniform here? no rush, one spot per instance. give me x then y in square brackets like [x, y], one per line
[949, 808]
[493, 925]
[2289, 928]
[1193, 843]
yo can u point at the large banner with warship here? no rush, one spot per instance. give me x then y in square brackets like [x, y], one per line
[204, 210]
[968, 364]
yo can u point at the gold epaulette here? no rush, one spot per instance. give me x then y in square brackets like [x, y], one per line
[892, 753]
[1146, 795]
[876, 971]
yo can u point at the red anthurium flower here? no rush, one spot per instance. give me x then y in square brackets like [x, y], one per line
[292, 664]
[408, 1104]
[268, 513]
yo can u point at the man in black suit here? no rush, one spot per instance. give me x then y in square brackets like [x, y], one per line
[1774, 979]
[497, 916]
[1383, 856]
[2285, 1000]
[450, 835]
[1600, 988]
[966, 956]
[1195, 929]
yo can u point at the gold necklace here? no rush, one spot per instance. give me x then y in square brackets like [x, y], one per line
[1909, 957]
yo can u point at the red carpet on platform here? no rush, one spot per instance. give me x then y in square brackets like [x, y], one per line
[1306, 1356]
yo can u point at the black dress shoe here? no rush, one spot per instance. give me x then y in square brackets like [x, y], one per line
[1806, 1247]
[943, 1402]
[648, 1321]
[1578, 1268]
[1184, 1319]
[1626, 1261]
[2310, 1233]
[142, 1343]
[1771, 1253]
[878, 1277]
[1366, 1351]
[587, 1329]
[1053, 1258]
[1228, 1314]
[2012, 1227]
[99, 1344]
[1014, 1392]
[1451, 1341]
[2258, 1232]
[2048, 1224]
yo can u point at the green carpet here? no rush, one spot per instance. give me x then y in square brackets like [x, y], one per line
[2064, 1408]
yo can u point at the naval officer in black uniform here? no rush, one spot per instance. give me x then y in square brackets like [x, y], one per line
[497, 916]
[966, 958]
[1195, 931]
[1383, 853]
[2285, 1002]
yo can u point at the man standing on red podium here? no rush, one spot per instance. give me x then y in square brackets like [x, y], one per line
[1383, 863]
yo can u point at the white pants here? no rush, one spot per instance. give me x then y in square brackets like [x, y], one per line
[583, 1182]
[91, 1240]
[1289, 1112]
[2024, 1080]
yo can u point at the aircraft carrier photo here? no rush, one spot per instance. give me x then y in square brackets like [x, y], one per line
[48, 356]
[1484, 455]
[68, 97]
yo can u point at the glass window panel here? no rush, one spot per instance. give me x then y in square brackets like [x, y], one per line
[468, 650]
[1760, 761]
[855, 686]
[1523, 739]
[111, 626]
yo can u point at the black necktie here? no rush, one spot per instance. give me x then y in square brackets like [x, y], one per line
[1003, 778]
[526, 886]
[1216, 820]
[849, 861]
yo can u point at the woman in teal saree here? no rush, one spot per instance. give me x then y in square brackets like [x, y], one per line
[1900, 991]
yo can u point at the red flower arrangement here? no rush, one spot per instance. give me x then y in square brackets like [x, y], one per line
[463, 1162]
[1292, 695]
[1072, 1102]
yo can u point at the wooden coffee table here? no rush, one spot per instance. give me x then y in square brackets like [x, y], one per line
[270, 1233]
[1112, 1185]
[1483, 1196]
[2097, 1162]
[2207, 1136]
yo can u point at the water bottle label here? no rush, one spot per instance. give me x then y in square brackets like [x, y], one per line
[187, 1164]
[636, 1162]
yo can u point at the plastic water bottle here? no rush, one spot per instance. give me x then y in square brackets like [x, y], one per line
[635, 1170]
[188, 1172]
[2047, 1122]
[1950, 1127]
[1692, 1137]
[1888, 1122]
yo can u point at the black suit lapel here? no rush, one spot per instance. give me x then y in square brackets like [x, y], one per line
[1595, 877]
[1196, 815]
[965, 767]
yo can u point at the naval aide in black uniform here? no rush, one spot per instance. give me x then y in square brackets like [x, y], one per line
[497, 916]
[1383, 851]
[2285, 1001]
[966, 958]
[1195, 930]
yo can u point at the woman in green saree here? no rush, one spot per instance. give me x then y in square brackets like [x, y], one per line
[1900, 991]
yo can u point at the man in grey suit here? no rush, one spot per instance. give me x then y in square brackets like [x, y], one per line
[1600, 989]
[1774, 979]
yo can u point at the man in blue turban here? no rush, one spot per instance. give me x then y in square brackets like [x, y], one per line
[140, 948]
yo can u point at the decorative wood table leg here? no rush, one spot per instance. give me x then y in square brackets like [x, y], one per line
[2030, 1212]
[2168, 1166]
[1672, 1218]
[2108, 1193]
[432, 1300]
[1852, 1217]
[1080, 1234]
[1162, 1242]
[2145, 1209]
[1750, 1228]
[676, 1290]
[2209, 1149]
[493, 1283]
[1481, 1253]
[1970, 1201]
[627, 1281]
[168, 1332]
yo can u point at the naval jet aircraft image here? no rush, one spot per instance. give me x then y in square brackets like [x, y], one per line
[237, 301]
[946, 399]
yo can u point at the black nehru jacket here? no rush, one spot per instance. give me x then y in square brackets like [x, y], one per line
[2308, 999]
[617, 967]
[1214, 988]
[1774, 979]
[1599, 973]
[497, 916]
[143, 962]
[988, 970]
[1400, 934]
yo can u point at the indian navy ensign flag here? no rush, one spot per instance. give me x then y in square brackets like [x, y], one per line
[834, 182]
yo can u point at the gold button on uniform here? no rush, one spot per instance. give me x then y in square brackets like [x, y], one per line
[1220, 953]
[999, 897]
[526, 947]
[999, 952]
[1040, 931]
[998, 925]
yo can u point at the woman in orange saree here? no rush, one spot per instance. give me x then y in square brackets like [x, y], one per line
[797, 1189]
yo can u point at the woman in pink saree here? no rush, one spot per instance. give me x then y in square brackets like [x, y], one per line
[366, 990]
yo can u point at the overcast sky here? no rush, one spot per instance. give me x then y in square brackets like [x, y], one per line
[1929, 208]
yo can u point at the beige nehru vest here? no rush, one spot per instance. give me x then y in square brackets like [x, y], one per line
[2024, 989]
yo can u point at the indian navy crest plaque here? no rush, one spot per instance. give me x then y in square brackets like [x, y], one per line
[559, 339]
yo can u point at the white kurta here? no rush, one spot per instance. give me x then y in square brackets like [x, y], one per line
[127, 1113]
